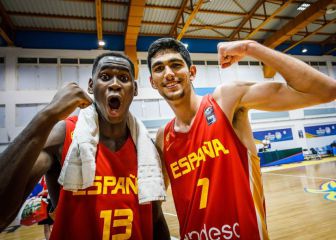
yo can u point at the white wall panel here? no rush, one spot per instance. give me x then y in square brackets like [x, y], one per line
[2, 116]
[84, 73]
[136, 108]
[2, 147]
[201, 80]
[165, 110]
[24, 113]
[151, 109]
[244, 74]
[228, 74]
[144, 76]
[279, 77]
[212, 75]
[69, 74]
[47, 76]
[27, 77]
[256, 74]
[2, 77]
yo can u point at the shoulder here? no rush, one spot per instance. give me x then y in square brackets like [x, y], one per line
[229, 95]
[234, 89]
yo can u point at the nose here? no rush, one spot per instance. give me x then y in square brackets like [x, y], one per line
[114, 84]
[169, 74]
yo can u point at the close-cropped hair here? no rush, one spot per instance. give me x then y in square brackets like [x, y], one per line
[167, 44]
[112, 54]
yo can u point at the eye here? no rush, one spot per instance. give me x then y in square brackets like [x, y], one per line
[158, 69]
[176, 65]
[104, 77]
[124, 77]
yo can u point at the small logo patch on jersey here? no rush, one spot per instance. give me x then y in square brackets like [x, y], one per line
[210, 115]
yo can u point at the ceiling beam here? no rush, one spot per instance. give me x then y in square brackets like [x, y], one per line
[7, 27]
[26, 14]
[268, 19]
[99, 22]
[246, 19]
[179, 14]
[227, 13]
[155, 6]
[18, 13]
[135, 14]
[308, 36]
[200, 26]
[190, 18]
[313, 12]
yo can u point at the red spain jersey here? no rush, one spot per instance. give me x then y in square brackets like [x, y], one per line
[110, 208]
[216, 182]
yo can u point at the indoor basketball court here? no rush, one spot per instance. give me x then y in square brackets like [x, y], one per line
[45, 44]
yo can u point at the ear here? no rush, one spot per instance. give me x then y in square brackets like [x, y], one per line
[192, 72]
[135, 88]
[90, 86]
[152, 82]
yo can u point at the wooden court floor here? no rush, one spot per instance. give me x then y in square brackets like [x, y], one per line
[296, 207]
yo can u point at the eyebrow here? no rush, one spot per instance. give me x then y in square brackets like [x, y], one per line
[170, 60]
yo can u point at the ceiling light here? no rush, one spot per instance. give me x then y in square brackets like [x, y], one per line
[303, 6]
[304, 50]
[101, 43]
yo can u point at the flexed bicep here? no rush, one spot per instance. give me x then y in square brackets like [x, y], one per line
[275, 96]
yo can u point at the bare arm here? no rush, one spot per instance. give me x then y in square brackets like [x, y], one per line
[305, 85]
[161, 230]
[160, 227]
[24, 161]
[159, 146]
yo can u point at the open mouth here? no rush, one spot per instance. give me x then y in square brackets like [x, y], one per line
[114, 103]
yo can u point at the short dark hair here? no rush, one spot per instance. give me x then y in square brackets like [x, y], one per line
[112, 54]
[167, 44]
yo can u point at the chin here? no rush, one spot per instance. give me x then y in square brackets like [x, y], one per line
[174, 96]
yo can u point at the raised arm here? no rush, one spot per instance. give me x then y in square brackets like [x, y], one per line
[27, 158]
[305, 85]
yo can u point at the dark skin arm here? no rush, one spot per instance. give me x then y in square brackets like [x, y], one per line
[28, 157]
[160, 227]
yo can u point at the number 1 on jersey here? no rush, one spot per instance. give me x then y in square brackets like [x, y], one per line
[204, 183]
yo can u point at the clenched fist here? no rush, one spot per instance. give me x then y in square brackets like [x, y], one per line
[67, 99]
[231, 52]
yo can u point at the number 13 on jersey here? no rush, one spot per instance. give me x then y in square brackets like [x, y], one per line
[121, 218]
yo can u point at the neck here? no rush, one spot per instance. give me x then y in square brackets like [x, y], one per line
[185, 110]
[113, 135]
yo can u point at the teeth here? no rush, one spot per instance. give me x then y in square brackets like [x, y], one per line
[171, 84]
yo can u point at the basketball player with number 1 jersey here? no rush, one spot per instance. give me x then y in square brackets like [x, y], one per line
[220, 180]
[208, 148]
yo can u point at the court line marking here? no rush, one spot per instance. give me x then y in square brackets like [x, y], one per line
[298, 176]
[297, 164]
[170, 214]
